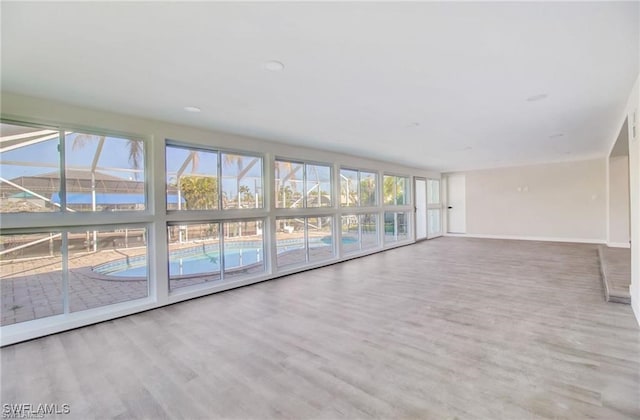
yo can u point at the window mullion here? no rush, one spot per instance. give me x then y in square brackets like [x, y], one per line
[65, 272]
[62, 190]
[304, 186]
[306, 239]
[360, 219]
[219, 175]
[221, 241]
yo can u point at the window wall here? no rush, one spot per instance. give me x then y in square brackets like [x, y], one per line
[201, 179]
[398, 211]
[396, 226]
[49, 169]
[192, 178]
[303, 240]
[396, 190]
[359, 232]
[48, 176]
[358, 188]
[194, 254]
[63, 271]
[359, 227]
[243, 248]
[225, 184]
[206, 226]
[302, 185]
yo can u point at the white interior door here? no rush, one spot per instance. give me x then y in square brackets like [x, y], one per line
[421, 209]
[456, 210]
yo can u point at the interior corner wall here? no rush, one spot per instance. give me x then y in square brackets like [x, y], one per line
[558, 201]
[618, 201]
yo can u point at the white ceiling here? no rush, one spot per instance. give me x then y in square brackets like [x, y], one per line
[435, 85]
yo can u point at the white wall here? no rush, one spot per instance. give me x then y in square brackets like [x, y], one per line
[559, 201]
[618, 201]
[632, 113]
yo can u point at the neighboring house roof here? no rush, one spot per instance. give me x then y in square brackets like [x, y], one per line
[78, 181]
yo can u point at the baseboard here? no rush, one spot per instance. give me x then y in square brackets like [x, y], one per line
[530, 238]
[618, 244]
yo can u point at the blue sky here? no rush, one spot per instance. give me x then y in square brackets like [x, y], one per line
[114, 155]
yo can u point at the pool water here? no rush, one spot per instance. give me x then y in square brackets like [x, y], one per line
[203, 259]
[208, 263]
[185, 265]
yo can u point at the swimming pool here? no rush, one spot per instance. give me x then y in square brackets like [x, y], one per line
[190, 261]
[205, 259]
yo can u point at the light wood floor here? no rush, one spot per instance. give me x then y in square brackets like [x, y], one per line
[450, 328]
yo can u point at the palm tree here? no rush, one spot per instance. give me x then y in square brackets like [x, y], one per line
[247, 197]
[229, 160]
[199, 192]
[286, 192]
[389, 189]
[367, 192]
[135, 149]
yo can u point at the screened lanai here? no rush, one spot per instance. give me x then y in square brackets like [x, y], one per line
[95, 172]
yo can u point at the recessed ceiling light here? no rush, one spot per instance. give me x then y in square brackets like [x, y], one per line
[555, 136]
[274, 65]
[192, 109]
[539, 97]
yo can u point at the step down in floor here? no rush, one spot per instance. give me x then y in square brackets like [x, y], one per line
[615, 267]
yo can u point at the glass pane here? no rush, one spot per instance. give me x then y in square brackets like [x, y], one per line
[433, 216]
[402, 228]
[433, 191]
[243, 248]
[241, 181]
[289, 184]
[369, 230]
[194, 254]
[29, 169]
[368, 183]
[389, 189]
[192, 179]
[104, 173]
[320, 238]
[350, 233]
[290, 240]
[396, 226]
[401, 191]
[318, 186]
[107, 267]
[348, 188]
[389, 226]
[30, 277]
